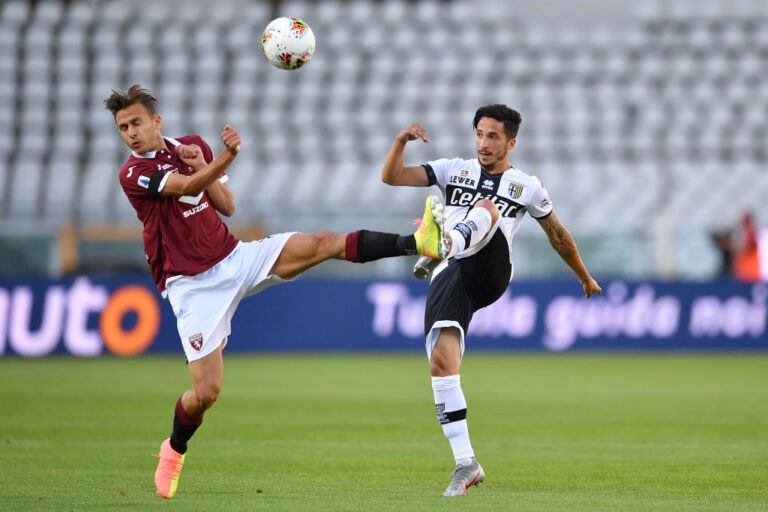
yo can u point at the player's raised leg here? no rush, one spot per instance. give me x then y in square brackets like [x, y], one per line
[474, 228]
[303, 251]
[464, 235]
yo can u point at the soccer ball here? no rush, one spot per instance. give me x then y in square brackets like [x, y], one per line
[288, 43]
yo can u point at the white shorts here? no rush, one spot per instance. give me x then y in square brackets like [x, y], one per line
[205, 303]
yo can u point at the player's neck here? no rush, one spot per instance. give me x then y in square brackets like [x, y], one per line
[160, 144]
[497, 168]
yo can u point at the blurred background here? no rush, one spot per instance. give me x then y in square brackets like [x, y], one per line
[646, 121]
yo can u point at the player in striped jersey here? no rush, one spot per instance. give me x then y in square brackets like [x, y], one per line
[486, 199]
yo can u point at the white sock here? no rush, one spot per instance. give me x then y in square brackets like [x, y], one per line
[452, 413]
[469, 231]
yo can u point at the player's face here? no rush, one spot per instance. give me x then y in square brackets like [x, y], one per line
[492, 145]
[139, 129]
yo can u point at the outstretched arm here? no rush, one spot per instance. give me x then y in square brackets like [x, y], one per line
[180, 185]
[561, 241]
[394, 171]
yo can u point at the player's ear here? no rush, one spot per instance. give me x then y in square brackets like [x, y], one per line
[158, 121]
[511, 143]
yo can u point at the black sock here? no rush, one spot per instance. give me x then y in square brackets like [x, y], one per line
[375, 245]
[184, 427]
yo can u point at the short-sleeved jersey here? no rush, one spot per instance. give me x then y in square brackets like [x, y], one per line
[463, 183]
[182, 235]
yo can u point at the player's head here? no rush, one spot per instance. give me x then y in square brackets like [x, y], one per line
[137, 118]
[496, 129]
[510, 118]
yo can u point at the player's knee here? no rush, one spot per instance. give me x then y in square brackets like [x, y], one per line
[490, 206]
[446, 355]
[438, 368]
[207, 396]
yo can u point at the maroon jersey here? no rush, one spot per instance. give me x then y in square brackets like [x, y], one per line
[182, 235]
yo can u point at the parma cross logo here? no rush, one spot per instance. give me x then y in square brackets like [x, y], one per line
[515, 190]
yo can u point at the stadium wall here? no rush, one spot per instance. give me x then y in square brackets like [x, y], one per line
[92, 316]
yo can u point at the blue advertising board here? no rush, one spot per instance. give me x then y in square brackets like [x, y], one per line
[90, 316]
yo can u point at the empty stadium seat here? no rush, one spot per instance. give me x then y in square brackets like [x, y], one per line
[15, 12]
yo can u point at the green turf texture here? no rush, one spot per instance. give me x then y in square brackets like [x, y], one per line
[358, 433]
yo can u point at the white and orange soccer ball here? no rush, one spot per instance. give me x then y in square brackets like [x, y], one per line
[288, 43]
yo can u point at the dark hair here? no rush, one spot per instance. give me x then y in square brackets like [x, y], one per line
[118, 101]
[502, 113]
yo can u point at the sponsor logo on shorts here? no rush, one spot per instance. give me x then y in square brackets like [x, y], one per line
[196, 340]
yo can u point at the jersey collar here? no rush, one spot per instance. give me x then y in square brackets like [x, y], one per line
[152, 154]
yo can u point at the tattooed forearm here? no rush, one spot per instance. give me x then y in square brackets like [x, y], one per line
[559, 237]
[561, 241]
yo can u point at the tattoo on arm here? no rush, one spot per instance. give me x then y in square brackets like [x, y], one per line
[559, 237]
[561, 241]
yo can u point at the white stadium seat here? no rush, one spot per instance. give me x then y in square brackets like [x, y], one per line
[26, 183]
[15, 12]
[48, 11]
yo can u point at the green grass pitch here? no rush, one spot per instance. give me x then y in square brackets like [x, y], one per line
[358, 433]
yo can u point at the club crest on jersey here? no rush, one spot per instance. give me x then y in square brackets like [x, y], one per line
[196, 341]
[515, 190]
[143, 181]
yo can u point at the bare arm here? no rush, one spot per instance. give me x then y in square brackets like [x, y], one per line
[394, 171]
[222, 197]
[562, 242]
[205, 176]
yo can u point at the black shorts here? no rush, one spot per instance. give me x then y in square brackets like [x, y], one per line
[469, 284]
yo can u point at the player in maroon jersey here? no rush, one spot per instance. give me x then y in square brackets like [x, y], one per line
[178, 190]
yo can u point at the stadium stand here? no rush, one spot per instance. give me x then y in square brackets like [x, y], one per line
[628, 127]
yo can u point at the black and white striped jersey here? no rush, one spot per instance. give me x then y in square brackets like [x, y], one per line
[463, 183]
